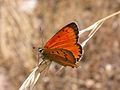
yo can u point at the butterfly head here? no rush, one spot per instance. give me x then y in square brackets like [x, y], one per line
[40, 50]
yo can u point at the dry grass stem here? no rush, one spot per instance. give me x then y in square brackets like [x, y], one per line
[94, 27]
[39, 70]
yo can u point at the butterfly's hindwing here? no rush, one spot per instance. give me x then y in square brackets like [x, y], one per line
[61, 56]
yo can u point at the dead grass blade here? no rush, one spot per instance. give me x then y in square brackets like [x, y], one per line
[94, 28]
[41, 69]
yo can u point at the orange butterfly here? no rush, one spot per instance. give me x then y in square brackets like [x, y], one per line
[63, 48]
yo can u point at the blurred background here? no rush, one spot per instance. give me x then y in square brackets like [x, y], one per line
[20, 23]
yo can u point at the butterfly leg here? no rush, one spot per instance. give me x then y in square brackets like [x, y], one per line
[63, 67]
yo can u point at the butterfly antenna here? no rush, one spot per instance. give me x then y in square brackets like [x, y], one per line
[42, 36]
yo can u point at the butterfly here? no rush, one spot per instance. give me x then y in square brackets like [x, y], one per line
[63, 48]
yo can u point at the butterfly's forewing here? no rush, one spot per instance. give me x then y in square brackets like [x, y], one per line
[66, 38]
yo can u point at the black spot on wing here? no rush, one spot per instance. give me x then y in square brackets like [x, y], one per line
[57, 52]
[52, 52]
[64, 53]
[58, 36]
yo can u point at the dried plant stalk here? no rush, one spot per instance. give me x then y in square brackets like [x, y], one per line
[39, 70]
[94, 27]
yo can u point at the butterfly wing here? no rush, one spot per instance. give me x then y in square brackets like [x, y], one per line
[66, 38]
[61, 56]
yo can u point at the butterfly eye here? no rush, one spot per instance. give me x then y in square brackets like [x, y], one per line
[40, 50]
